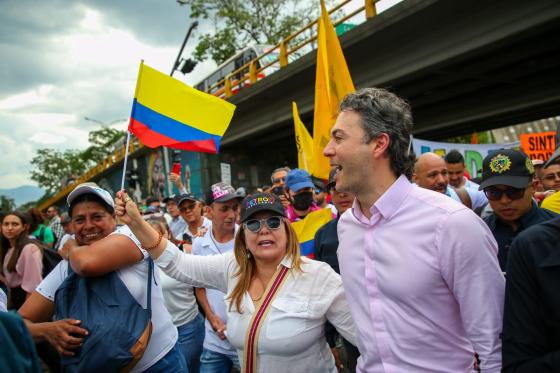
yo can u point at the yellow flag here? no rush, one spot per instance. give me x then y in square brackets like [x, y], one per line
[304, 142]
[332, 83]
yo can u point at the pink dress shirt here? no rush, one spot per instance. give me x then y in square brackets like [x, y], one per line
[423, 283]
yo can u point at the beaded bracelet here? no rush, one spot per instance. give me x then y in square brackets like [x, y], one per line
[156, 244]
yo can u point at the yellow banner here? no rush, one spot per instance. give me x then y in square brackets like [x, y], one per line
[332, 83]
[304, 142]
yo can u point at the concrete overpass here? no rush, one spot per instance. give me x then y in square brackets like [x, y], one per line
[463, 66]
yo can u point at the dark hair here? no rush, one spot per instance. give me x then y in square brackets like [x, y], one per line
[90, 197]
[34, 219]
[384, 112]
[21, 241]
[150, 200]
[55, 208]
[454, 156]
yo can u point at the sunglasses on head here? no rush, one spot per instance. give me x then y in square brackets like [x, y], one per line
[495, 194]
[255, 225]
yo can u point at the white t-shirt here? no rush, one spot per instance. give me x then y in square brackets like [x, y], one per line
[205, 246]
[64, 239]
[179, 299]
[134, 277]
[292, 335]
[206, 223]
[3, 301]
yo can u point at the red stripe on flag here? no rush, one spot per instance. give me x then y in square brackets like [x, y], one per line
[154, 139]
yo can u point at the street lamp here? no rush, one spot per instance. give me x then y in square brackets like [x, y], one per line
[103, 123]
[188, 64]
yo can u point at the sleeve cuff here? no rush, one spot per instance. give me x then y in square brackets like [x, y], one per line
[170, 253]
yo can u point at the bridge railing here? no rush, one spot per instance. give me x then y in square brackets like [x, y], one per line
[109, 161]
[287, 51]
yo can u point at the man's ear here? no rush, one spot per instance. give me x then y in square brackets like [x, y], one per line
[380, 145]
[208, 211]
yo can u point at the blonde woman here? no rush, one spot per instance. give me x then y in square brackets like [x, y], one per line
[277, 301]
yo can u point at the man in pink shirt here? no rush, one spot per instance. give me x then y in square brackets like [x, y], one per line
[420, 270]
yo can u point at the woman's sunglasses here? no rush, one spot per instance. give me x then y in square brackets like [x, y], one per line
[495, 194]
[255, 225]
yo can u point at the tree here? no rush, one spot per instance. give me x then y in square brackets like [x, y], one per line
[53, 169]
[102, 141]
[240, 23]
[6, 203]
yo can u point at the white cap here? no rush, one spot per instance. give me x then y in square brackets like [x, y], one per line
[90, 188]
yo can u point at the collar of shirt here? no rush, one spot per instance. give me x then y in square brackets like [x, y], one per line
[387, 204]
[287, 261]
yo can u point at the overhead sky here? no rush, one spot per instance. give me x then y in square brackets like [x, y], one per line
[62, 61]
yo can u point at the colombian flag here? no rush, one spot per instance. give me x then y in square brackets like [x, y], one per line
[167, 112]
[306, 228]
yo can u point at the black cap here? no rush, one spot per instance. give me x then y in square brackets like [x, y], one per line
[185, 197]
[222, 192]
[260, 202]
[507, 167]
[172, 197]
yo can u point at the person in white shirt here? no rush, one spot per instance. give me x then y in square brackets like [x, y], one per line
[99, 248]
[277, 301]
[456, 171]
[180, 301]
[222, 207]
[191, 211]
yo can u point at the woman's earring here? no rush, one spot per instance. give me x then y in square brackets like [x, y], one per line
[248, 254]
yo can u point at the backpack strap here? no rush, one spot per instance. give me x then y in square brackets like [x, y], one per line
[464, 197]
[150, 275]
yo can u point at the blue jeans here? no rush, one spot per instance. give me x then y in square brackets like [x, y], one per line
[191, 336]
[172, 362]
[215, 362]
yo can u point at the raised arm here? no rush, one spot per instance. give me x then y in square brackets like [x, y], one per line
[198, 271]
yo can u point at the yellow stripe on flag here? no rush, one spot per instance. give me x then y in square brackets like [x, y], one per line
[305, 229]
[304, 142]
[332, 83]
[178, 101]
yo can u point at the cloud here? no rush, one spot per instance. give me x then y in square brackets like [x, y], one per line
[63, 61]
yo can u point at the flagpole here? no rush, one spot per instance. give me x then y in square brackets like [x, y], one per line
[125, 158]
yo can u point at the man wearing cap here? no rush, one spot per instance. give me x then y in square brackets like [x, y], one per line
[325, 245]
[190, 209]
[300, 189]
[222, 208]
[177, 224]
[507, 181]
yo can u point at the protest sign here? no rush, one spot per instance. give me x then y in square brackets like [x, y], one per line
[473, 153]
[539, 145]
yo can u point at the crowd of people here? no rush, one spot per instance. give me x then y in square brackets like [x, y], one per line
[422, 268]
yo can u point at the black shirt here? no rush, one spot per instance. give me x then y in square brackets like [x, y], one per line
[326, 243]
[504, 233]
[531, 332]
